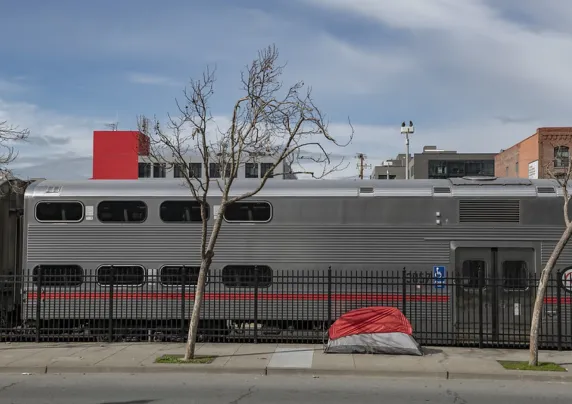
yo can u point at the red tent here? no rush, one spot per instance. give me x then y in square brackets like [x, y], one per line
[372, 330]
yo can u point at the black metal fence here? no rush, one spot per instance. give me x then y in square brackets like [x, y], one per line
[133, 304]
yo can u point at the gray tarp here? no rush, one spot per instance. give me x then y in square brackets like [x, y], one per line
[395, 343]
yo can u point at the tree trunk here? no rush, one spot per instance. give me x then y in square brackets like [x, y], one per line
[200, 289]
[199, 292]
[541, 292]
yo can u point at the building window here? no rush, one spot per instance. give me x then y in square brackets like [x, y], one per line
[196, 170]
[247, 276]
[214, 170]
[516, 168]
[175, 275]
[266, 168]
[132, 275]
[122, 211]
[251, 170]
[59, 212]
[58, 275]
[159, 170]
[460, 168]
[561, 156]
[248, 212]
[181, 211]
[144, 170]
[384, 177]
[179, 170]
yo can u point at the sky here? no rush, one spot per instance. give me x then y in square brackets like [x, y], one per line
[473, 75]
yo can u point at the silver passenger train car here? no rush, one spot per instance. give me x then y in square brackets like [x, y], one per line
[145, 230]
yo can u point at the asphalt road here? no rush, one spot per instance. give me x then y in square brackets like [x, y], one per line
[236, 389]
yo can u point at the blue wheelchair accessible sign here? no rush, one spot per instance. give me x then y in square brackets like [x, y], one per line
[439, 274]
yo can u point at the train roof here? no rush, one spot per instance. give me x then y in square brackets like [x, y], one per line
[476, 186]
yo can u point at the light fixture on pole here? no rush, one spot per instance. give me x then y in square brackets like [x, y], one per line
[407, 130]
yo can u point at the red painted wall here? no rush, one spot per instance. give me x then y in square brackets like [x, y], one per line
[115, 154]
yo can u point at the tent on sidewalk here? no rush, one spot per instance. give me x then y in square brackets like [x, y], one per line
[376, 330]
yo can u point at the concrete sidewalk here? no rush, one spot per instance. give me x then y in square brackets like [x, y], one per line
[274, 359]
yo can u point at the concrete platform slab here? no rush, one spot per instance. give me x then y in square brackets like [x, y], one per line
[292, 358]
[89, 356]
[132, 355]
[333, 361]
[255, 356]
[45, 356]
[9, 356]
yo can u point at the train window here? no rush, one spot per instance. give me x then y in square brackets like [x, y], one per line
[173, 275]
[515, 275]
[59, 212]
[122, 211]
[181, 211]
[470, 273]
[244, 276]
[58, 275]
[248, 212]
[121, 275]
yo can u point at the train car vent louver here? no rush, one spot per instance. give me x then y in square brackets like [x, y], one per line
[53, 190]
[546, 190]
[489, 211]
[441, 190]
[366, 190]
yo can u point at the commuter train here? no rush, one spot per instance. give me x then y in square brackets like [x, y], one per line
[138, 234]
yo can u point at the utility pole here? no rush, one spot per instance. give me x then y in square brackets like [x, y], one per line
[406, 130]
[361, 164]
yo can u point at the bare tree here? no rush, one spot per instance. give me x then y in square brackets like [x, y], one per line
[269, 120]
[9, 135]
[560, 170]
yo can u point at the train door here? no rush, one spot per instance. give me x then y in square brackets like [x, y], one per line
[514, 294]
[505, 311]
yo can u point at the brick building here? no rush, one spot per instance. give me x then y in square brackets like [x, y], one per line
[534, 157]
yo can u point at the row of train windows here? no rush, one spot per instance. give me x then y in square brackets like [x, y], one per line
[136, 211]
[233, 276]
[514, 275]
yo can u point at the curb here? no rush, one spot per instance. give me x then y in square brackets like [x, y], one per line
[156, 369]
[440, 375]
[357, 372]
[523, 375]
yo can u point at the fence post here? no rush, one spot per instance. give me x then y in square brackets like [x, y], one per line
[481, 275]
[329, 296]
[38, 303]
[404, 291]
[559, 310]
[110, 316]
[256, 304]
[183, 293]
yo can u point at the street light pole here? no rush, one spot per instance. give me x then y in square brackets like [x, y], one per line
[406, 130]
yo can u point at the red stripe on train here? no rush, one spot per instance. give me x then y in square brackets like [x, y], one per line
[554, 300]
[238, 296]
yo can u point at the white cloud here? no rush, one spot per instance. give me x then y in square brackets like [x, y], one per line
[474, 75]
[60, 146]
[152, 79]
[8, 86]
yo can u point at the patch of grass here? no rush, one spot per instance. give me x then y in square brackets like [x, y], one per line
[523, 365]
[177, 359]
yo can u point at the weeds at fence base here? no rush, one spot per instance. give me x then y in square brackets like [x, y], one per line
[523, 365]
[176, 359]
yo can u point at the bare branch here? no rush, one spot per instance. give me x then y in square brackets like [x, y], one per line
[270, 127]
[560, 169]
[9, 135]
